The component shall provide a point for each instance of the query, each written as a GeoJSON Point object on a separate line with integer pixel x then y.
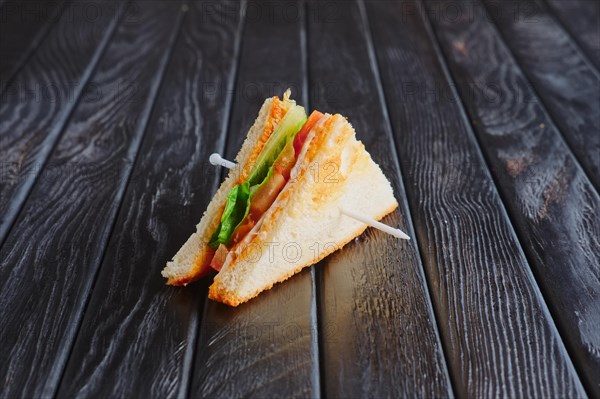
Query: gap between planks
{"type": "Point", "coordinates": [396, 156]}
{"type": "Point", "coordinates": [465, 116]}
{"type": "Point", "coordinates": [195, 332]}
{"type": "Point", "coordinates": [37, 39]}
{"type": "Point", "coordinates": [132, 153]}
{"type": "Point", "coordinates": [317, 374]}
{"type": "Point", "coordinates": [513, 216]}
{"type": "Point", "coordinates": [577, 44]}
{"type": "Point", "coordinates": [20, 196]}
{"type": "Point", "coordinates": [542, 101]}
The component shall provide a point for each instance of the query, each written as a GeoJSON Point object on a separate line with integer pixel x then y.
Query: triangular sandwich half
{"type": "Point", "coordinates": [192, 260]}
{"type": "Point", "coordinates": [320, 170]}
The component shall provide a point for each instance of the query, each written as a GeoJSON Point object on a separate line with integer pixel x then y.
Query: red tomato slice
{"type": "Point", "coordinates": [243, 229]}
{"type": "Point", "coordinates": [301, 136]}
{"type": "Point", "coordinates": [219, 259]}
{"type": "Point", "coordinates": [266, 194]}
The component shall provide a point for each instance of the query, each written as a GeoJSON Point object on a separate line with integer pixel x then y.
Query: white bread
{"type": "Point", "coordinates": [305, 223]}
{"type": "Point", "coordinates": [191, 260]}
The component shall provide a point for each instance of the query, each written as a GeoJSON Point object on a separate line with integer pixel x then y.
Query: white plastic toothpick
{"type": "Point", "coordinates": [374, 223]}
{"type": "Point", "coordinates": [216, 159]}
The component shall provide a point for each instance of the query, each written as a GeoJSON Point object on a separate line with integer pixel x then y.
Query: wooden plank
{"type": "Point", "coordinates": [50, 260]}
{"type": "Point", "coordinates": [552, 203]}
{"type": "Point", "coordinates": [499, 337]}
{"type": "Point", "coordinates": [37, 103]}
{"type": "Point", "coordinates": [137, 338]}
{"type": "Point", "coordinates": [374, 296]}
{"type": "Point", "coordinates": [582, 19]}
{"type": "Point", "coordinates": [566, 83]}
{"type": "Point", "coordinates": [23, 26]}
{"type": "Point", "coordinates": [267, 347]}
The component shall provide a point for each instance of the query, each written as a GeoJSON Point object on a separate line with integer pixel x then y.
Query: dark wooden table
{"type": "Point", "coordinates": [484, 115]}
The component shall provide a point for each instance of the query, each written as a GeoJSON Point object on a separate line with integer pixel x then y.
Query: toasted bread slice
{"type": "Point", "coordinates": [191, 261]}
{"type": "Point", "coordinates": [305, 223]}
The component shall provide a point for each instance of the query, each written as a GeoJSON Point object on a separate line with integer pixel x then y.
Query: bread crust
{"type": "Point", "coordinates": [276, 114]}
{"type": "Point", "coordinates": [196, 265]}
{"type": "Point", "coordinates": [219, 293]}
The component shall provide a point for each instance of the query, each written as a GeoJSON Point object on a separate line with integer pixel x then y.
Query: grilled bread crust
{"type": "Point", "coordinates": [191, 261]}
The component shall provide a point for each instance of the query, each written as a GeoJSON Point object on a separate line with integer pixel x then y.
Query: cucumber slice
{"type": "Point", "coordinates": [291, 124]}
{"type": "Point", "coordinates": [238, 199]}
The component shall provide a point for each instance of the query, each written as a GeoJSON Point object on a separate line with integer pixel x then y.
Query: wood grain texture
{"type": "Point", "coordinates": [552, 203]}
{"type": "Point", "coordinates": [170, 188]}
{"type": "Point", "coordinates": [373, 292]}
{"type": "Point", "coordinates": [105, 131]}
{"type": "Point", "coordinates": [37, 103]}
{"type": "Point", "coordinates": [582, 19]}
{"type": "Point", "coordinates": [50, 260]}
{"type": "Point", "coordinates": [138, 335]}
{"type": "Point", "coordinates": [499, 337]}
{"type": "Point", "coordinates": [23, 25]}
{"type": "Point", "coordinates": [267, 347]}
{"type": "Point", "coordinates": [565, 82]}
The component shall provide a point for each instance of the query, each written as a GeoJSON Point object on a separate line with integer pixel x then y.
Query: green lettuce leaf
{"type": "Point", "coordinates": [291, 124]}
{"type": "Point", "coordinates": [236, 209]}
{"type": "Point", "coordinates": [238, 199]}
